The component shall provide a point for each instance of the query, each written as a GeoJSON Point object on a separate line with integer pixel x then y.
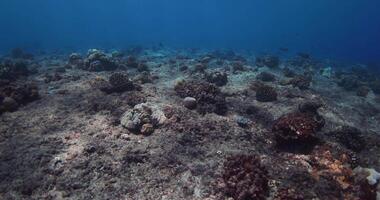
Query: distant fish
{"type": "Point", "coordinates": [283, 49]}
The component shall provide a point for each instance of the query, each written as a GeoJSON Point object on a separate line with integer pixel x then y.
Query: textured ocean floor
{"type": "Point", "coordinates": [186, 124]}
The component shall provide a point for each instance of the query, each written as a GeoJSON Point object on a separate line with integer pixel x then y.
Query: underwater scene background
{"type": "Point", "coordinates": [194, 100]}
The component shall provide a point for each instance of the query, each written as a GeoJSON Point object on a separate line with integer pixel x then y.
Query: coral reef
{"type": "Point", "coordinates": [351, 137]}
{"type": "Point", "coordinates": [245, 178]}
{"type": "Point", "coordinates": [362, 91]}
{"type": "Point", "coordinates": [117, 82]}
{"type": "Point", "coordinates": [349, 82]}
{"type": "Point", "coordinates": [120, 82]}
{"type": "Point", "coordinates": [266, 77]}
{"type": "Point", "coordinates": [132, 62]}
{"type": "Point", "coordinates": [288, 72]}
{"type": "Point", "coordinates": [76, 59]}
{"type": "Point", "coordinates": [310, 106]}
{"type": "Point", "coordinates": [238, 66]}
{"type": "Point", "coordinates": [209, 98]}
{"type": "Point", "coordinates": [300, 81]}
{"type": "Point", "coordinates": [297, 127]}
{"type": "Point", "coordinates": [266, 93]}
{"type": "Point", "coordinates": [209, 136]}
{"type": "Point", "coordinates": [375, 86]}
{"type": "Point", "coordinates": [16, 94]}
{"type": "Point", "coordinates": [217, 77]}
{"type": "Point", "coordinates": [98, 61]}
{"type": "Point", "coordinates": [12, 70]}
{"type": "Point", "coordinates": [267, 61]}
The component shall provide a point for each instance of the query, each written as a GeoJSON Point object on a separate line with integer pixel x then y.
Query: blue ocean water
{"type": "Point", "coordinates": [347, 30]}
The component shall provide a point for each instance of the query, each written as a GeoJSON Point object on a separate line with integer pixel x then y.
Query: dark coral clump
{"type": "Point", "coordinates": [297, 128]}
{"type": "Point", "coordinates": [98, 61]}
{"type": "Point", "coordinates": [266, 93]}
{"type": "Point", "coordinates": [288, 72]}
{"type": "Point", "coordinates": [209, 97]}
{"type": "Point", "coordinates": [375, 86]}
{"type": "Point", "coordinates": [362, 91]}
{"type": "Point", "coordinates": [15, 94]}
{"type": "Point", "coordinates": [12, 70]}
{"type": "Point", "coordinates": [310, 106]}
{"type": "Point", "coordinates": [349, 82]}
{"type": "Point", "coordinates": [117, 82]}
{"type": "Point", "coordinates": [302, 82]}
{"type": "Point", "coordinates": [217, 77]}
{"type": "Point", "coordinates": [132, 62]}
{"type": "Point", "coordinates": [266, 77]}
{"type": "Point", "coordinates": [238, 66]}
{"type": "Point", "coordinates": [268, 61]}
{"type": "Point", "coordinates": [245, 178]}
{"type": "Point", "coordinates": [75, 60]}
{"type": "Point", "coordinates": [351, 137]}
{"type": "Point", "coordinates": [120, 82]}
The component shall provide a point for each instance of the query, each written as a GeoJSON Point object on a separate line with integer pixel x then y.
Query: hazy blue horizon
{"type": "Point", "coordinates": [333, 29]}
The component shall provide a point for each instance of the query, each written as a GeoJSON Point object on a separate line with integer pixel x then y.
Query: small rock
{"type": "Point", "coordinates": [190, 103]}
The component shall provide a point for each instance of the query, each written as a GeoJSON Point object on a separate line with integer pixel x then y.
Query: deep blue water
{"type": "Point", "coordinates": [335, 29]}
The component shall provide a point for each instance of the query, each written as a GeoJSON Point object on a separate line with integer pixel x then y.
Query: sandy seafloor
{"type": "Point", "coordinates": [70, 144]}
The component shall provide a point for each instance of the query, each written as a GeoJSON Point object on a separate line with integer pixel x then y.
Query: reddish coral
{"type": "Point", "coordinates": [245, 178]}
{"type": "Point", "coordinates": [297, 126]}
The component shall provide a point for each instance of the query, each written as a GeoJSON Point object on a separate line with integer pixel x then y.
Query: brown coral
{"type": "Point", "coordinates": [217, 77]}
{"type": "Point", "coordinates": [267, 61]}
{"type": "Point", "coordinates": [302, 82]}
{"type": "Point", "coordinates": [209, 97]}
{"type": "Point", "coordinates": [17, 94]}
{"type": "Point", "coordinates": [266, 93]}
{"type": "Point", "coordinates": [297, 127]}
{"type": "Point", "coordinates": [245, 178]}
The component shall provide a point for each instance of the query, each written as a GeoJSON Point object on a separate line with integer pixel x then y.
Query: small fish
{"type": "Point", "coordinates": [283, 49]}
